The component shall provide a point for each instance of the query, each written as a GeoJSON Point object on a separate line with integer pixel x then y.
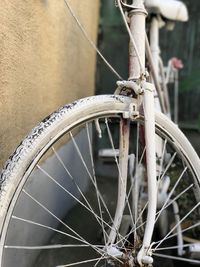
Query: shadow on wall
{"type": "Point", "coordinates": [48, 190]}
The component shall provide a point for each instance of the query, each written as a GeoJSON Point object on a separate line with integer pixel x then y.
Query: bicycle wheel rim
{"type": "Point", "coordinates": [113, 113]}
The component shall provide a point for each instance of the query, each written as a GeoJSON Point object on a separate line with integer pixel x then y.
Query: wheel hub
{"type": "Point", "coordinates": [128, 257]}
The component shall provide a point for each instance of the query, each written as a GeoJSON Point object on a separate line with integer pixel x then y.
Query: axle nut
{"type": "Point", "coordinates": [147, 260]}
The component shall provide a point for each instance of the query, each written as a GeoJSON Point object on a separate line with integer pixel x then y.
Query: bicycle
{"type": "Point", "coordinates": [39, 186]}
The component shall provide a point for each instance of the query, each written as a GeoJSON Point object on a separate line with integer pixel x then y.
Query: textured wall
{"type": "Point", "coordinates": [44, 62]}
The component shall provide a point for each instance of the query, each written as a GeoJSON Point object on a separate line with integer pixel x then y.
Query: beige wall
{"type": "Point", "coordinates": [45, 62]}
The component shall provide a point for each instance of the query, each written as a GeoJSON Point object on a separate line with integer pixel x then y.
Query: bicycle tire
{"type": "Point", "coordinates": [34, 148]}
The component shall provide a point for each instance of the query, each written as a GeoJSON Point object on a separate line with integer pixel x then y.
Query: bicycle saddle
{"type": "Point", "coordinates": [170, 9]}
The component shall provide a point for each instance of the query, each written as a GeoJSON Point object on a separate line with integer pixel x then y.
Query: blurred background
{"type": "Point", "coordinates": [183, 42]}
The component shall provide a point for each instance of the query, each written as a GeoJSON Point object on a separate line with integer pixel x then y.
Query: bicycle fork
{"type": "Point", "coordinates": [137, 17]}
{"type": "Point", "coordinates": [137, 77]}
{"type": "Point", "coordinates": [149, 122]}
{"type": "Point", "coordinates": [144, 254]}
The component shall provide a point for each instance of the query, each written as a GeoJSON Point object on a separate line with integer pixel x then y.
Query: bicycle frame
{"type": "Point", "coordinates": [137, 75]}
{"type": "Point", "coordinates": [162, 73]}
{"type": "Point", "coordinates": [137, 24]}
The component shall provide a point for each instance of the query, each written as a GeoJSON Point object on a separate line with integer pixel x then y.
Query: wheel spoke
{"type": "Point", "coordinates": [64, 224]}
{"type": "Point", "coordinates": [170, 194]}
{"type": "Point", "coordinates": [162, 157]}
{"type": "Point", "coordinates": [99, 220]}
{"type": "Point", "coordinates": [194, 208]}
{"type": "Point", "coordinates": [134, 228]}
{"type": "Point", "coordinates": [173, 247]}
{"type": "Point", "coordinates": [69, 193]}
{"type": "Point", "coordinates": [176, 258]}
{"type": "Point", "coordinates": [123, 239]}
{"type": "Point", "coordinates": [46, 227]}
{"type": "Point", "coordinates": [179, 195]}
{"type": "Point", "coordinates": [90, 176]}
{"type": "Point", "coordinates": [80, 262]}
{"type": "Point", "coordinates": [118, 167]}
{"type": "Point", "coordinates": [183, 231]}
{"type": "Point", "coordinates": [166, 206]}
{"type": "Point", "coordinates": [167, 167]}
{"type": "Point", "coordinates": [57, 246]}
{"type": "Point", "coordinates": [95, 181]}
{"type": "Point", "coordinates": [140, 161]}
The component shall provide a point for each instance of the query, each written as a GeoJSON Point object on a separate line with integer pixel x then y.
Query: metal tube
{"type": "Point", "coordinates": [149, 116]}
{"type": "Point", "coordinates": [176, 103]}
{"type": "Point", "coordinates": [154, 44]}
{"type": "Point", "coordinates": [155, 78]}
{"type": "Point", "coordinates": [151, 163]}
{"type": "Point", "coordinates": [137, 26]}
{"type": "Point", "coordinates": [122, 178]}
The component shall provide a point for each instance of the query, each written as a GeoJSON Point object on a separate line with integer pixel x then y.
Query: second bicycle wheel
{"type": "Point", "coordinates": [59, 191]}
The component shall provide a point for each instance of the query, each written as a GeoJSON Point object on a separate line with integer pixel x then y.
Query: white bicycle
{"type": "Point", "coordinates": [56, 210]}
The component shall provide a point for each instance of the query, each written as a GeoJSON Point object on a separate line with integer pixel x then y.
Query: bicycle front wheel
{"type": "Point", "coordinates": [59, 191]}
